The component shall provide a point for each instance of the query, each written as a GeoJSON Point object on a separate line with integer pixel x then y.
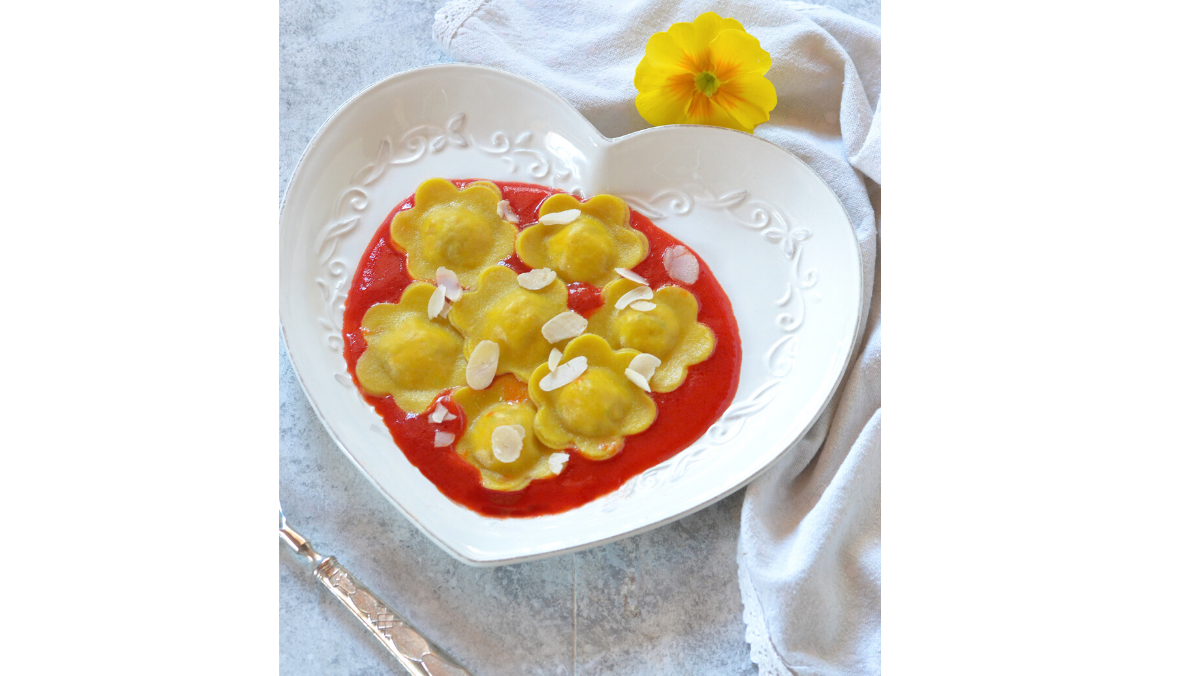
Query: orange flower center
{"type": "Point", "coordinates": [707, 83]}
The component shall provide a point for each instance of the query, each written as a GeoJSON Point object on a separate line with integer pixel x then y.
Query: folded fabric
{"type": "Point", "coordinates": [809, 548]}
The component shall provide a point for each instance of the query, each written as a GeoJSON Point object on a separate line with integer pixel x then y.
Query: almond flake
{"type": "Point", "coordinates": [642, 305]}
{"type": "Point", "coordinates": [445, 311]}
{"type": "Point", "coordinates": [564, 325]}
{"type": "Point", "coordinates": [507, 441]}
{"type": "Point", "coordinates": [555, 357]}
{"type": "Point", "coordinates": [557, 460]}
{"type": "Point", "coordinates": [681, 264]}
{"type": "Point", "coordinates": [481, 367]}
{"type": "Point", "coordinates": [564, 374]}
{"type": "Point", "coordinates": [560, 217]}
{"type": "Point", "coordinates": [437, 302]}
{"type": "Point", "coordinates": [645, 364]}
{"type": "Point", "coordinates": [640, 293]}
{"type": "Point", "coordinates": [631, 275]}
{"type": "Point", "coordinates": [637, 379]}
{"type": "Point", "coordinates": [442, 439]}
{"type": "Point", "coordinates": [449, 417]}
{"type": "Point", "coordinates": [536, 279]}
{"type": "Point", "coordinates": [447, 279]}
{"type": "Point", "coordinates": [439, 414]}
{"type": "Point", "coordinates": [504, 210]}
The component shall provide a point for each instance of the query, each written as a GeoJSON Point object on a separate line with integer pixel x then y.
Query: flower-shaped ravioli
{"type": "Point", "coordinates": [503, 311]}
{"type": "Point", "coordinates": [456, 229]}
{"type": "Point", "coordinates": [597, 410]}
{"type": "Point", "coordinates": [408, 355]}
{"type": "Point", "coordinates": [588, 248]}
{"type": "Point", "coordinates": [504, 402]}
{"type": "Point", "coordinates": [669, 331]}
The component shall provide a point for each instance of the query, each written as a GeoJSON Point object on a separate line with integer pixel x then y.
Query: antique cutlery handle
{"type": "Point", "coordinates": [419, 656]}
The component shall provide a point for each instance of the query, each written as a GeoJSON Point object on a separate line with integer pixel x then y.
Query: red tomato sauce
{"type": "Point", "coordinates": [683, 415]}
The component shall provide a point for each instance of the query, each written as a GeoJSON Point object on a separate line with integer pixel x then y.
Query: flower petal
{"type": "Point", "coordinates": [694, 38]}
{"type": "Point", "coordinates": [744, 93]}
{"type": "Point", "coordinates": [748, 99]}
{"type": "Point", "coordinates": [666, 77]}
{"type": "Point", "coordinates": [666, 105]}
{"type": "Point", "coordinates": [663, 57]}
{"type": "Point", "coordinates": [704, 110]}
{"type": "Point", "coordinates": [736, 53]}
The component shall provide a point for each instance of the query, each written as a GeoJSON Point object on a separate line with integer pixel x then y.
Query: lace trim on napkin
{"type": "Point", "coordinates": [451, 17]}
{"type": "Point", "coordinates": [762, 652]}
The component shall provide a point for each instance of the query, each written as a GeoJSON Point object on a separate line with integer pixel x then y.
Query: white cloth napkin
{"type": "Point", "coordinates": [809, 549]}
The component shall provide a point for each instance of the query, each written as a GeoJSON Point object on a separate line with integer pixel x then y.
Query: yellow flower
{"type": "Point", "coordinates": [709, 72]}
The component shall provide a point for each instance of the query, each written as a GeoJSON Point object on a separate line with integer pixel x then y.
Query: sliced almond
{"type": "Point", "coordinates": [645, 364]}
{"type": "Point", "coordinates": [559, 217]}
{"type": "Point", "coordinates": [555, 357]}
{"type": "Point", "coordinates": [681, 264]}
{"type": "Point", "coordinates": [564, 374]}
{"type": "Point", "coordinates": [507, 441]}
{"type": "Point", "coordinates": [631, 275]}
{"type": "Point", "coordinates": [481, 367]}
{"type": "Point", "coordinates": [504, 210]}
{"type": "Point", "coordinates": [439, 414]}
{"type": "Point", "coordinates": [536, 279]}
{"type": "Point", "coordinates": [445, 311]}
{"type": "Point", "coordinates": [640, 293]}
{"type": "Point", "coordinates": [642, 305]}
{"type": "Point", "coordinates": [446, 278]}
{"type": "Point", "coordinates": [637, 379]}
{"type": "Point", "coordinates": [442, 439]}
{"type": "Point", "coordinates": [449, 417]}
{"type": "Point", "coordinates": [557, 460]}
{"type": "Point", "coordinates": [564, 325]}
{"type": "Point", "coordinates": [437, 302]}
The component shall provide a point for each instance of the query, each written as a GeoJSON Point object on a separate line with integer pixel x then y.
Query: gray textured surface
{"type": "Point", "coordinates": [665, 602]}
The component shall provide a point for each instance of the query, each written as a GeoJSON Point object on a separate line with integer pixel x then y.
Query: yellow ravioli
{"type": "Point", "coordinates": [456, 229]}
{"type": "Point", "coordinates": [501, 310]}
{"type": "Point", "coordinates": [504, 402]}
{"type": "Point", "coordinates": [588, 248]}
{"type": "Point", "coordinates": [669, 331]}
{"type": "Point", "coordinates": [409, 356]}
{"type": "Point", "coordinates": [597, 410]}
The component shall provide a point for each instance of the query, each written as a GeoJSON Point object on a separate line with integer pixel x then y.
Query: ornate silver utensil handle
{"type": "Point", "coordinates": [417, 654]}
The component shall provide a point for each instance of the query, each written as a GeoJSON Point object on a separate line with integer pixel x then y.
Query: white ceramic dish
{"type": "Point", "coordinates": [775, 235]}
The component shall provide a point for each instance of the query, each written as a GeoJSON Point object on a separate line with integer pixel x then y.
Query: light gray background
{"type": "Point", "coordinates": [665, 602]}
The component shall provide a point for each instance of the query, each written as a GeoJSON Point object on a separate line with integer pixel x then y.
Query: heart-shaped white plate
{"type": "Point", "coordinates": [772, 231]}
